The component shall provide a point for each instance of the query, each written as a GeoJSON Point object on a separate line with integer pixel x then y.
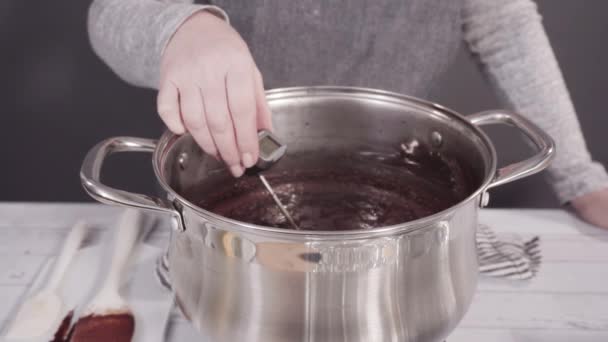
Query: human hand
{"type": "Point", "coordinates": [593, 207]}
{"type": "Point", "coordinates": [211, 87]}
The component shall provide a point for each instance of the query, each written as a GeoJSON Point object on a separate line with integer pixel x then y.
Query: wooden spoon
{"type": "Point", "coordinates": [41, 312]}
{"type": "Point", "coordinates": [108, 316]}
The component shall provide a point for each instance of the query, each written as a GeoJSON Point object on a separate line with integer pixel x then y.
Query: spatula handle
{"type": "Point", "coordinates": [127, 233]}
{"type": "Point", "coordinates": [70, 247]}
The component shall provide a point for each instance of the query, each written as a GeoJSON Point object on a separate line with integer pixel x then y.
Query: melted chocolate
{"type": "Point", "coordinates": [62, 333]}
{"type": "Point", "coordinates": [338, 192]}
{"type": "Point", "coordinates": [106, 328]}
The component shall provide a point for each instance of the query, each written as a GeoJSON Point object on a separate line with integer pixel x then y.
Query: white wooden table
{"type": "Point", "coordinates": [566, 302]}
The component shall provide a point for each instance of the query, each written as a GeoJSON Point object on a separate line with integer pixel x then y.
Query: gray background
{"type": "Point", "coordinates": [58, 99]}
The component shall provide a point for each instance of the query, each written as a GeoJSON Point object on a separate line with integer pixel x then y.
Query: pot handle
{"type": "Point", "coordinates": [542, 141]}
{"type": "Point", "coordinates": [91, 170]}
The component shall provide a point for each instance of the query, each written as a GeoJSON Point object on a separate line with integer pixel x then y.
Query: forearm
{"type": "Point", "coordinates": [510, 44]}
{"type": "Point", "coordinates": [130, 35]}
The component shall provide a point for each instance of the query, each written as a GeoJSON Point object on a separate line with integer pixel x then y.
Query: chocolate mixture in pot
{"type": "Point", "coordinates": [334, 192]}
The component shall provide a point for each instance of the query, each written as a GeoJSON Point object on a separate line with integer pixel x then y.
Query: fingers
{"type": "Point", "coordinates": [167, 104]}
{"type": "Point", "coordinates": [194, 116]}
{"type": "Point", "coordinates": [264, 116]}
{"type": "Point", "coordinates": [242, 104]}
{"type": "Point", "coordinates": [221, 126]}
{"type": "Point", "coordinates": [214, 91]}
{"type": "Point", "coordinates": [222, 115]}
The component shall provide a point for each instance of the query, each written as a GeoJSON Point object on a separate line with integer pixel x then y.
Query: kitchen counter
{"type": "Point", "coordinates": [566, 302]}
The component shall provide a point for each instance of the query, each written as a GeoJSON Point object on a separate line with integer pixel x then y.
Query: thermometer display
{"type": "Point", "coordinates": [271, 149]}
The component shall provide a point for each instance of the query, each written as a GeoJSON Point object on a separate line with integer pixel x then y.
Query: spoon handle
{"type": "Point", "coordinates": [70, 247]}
{"type": "Point", "coordinates": [128, 230]}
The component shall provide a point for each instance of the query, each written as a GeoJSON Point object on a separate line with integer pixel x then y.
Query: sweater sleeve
{"type": "Point", "coordinates": [130, 35]}
{"type": "Point", "coordinates": [509, 43]}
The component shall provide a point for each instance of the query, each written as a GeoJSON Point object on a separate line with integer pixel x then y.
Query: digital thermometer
{"type": "Point", "coordinates": [271, 149]}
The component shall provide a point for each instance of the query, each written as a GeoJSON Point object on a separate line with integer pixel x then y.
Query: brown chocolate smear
{"type": "Point", "coordinates": [364, 190]}
{"type": "Point", "coordinates": [62, 333]}
{"type": "Point", "coordinates": [104, 328]}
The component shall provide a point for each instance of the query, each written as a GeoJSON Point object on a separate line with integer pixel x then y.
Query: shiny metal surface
{"type": "Point", "coordinates": [410, 282]}
{"type": "Point", "coordinates": [90, 176]}
{"type": "Point", "coordinates": [259, 287]}
{"type": "Point", "coordinates": [91, 170]}
{"type": "Point", "coordinates": [541, 140]}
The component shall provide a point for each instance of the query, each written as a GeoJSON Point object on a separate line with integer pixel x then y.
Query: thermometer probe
{"type": "Point", "coordinates": [271, 151]}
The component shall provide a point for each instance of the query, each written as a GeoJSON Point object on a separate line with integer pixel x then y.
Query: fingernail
{"type": "Point", "coordinates": [247, 160]}
{"type": "Point", "coordinates": [236, 170]}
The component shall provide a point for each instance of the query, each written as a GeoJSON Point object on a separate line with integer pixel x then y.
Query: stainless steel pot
{"type": "Point", "coordinates": [409, 282]}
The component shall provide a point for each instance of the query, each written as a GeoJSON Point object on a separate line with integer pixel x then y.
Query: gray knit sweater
{"type": "Point", "coordinates": [397, 45]}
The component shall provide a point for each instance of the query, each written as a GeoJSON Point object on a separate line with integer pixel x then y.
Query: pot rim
{"type": "Point", "coordinates": [168, 138]}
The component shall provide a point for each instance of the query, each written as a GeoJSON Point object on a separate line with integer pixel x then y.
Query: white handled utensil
{"type": "Point", "coordinates": [108, 316]}
{"type": "Point", "coordinates": [43, 311]}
